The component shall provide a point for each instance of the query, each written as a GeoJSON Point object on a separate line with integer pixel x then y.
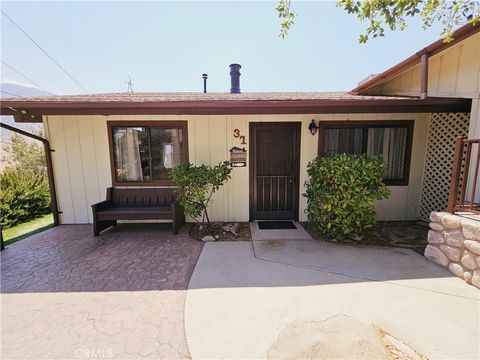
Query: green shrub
{"type": "Point", "coordinates": [196, 185]}
{"type": "Point", "coordinates": [340, 193]}
{"type": "Point", "coordinates": [23, 196]}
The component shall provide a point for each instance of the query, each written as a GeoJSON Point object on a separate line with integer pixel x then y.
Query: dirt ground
{"type": "Point", "coordinates": [198, 231]}
{"type": "Point", "coordinates": [403, 234]}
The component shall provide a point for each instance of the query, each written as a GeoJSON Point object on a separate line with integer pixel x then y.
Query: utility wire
{"type": "Point", "coordinates": [9, 93]}
{"type": "Point", "coordinates": [19, 73]}
{"type": "Point", "coordinates": [51, 58]}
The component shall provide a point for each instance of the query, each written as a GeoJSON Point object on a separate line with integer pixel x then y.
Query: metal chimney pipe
{"type": "Point", "coordinates": [204, 77]}
{"type": "Point", "coordinates": [235, 78]}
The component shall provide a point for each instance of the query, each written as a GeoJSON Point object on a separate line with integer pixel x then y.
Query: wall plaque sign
{"type": "Point", "coordinates": [238, 157]}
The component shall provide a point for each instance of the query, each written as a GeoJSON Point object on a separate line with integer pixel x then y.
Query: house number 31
{"type": "Point", "coordinates": [236, 135]}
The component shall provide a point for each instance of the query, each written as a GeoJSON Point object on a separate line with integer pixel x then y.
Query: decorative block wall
{"type": "Point", "coordinates": [444, 128]}
{"type": "Point", "coordinates": [454, 242]}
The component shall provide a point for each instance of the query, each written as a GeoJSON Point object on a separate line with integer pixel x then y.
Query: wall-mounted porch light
{"type": "Point", "coordinates": [313, 127]}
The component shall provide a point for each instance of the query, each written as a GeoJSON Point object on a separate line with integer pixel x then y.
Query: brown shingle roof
{"type": "Point", "coordinates": [25, 109]}
{"type": "Point", "coordinates": [154, 97]}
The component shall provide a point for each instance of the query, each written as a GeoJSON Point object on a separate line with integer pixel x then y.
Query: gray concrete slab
{"type": "Point", "coordinates": [237, 306]}
{"type": "Point", "coordinates": [399, 266]}
{"type": "Point", "coordinates": [288, 234]}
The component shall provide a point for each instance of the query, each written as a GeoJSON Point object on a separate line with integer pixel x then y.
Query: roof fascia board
{"type": "Point", "coordinates": [275, 107]}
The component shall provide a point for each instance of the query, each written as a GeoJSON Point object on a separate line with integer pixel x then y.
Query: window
{"type": "Point", "coordinates": [144, 153]}
{"type": "Point", "coordinates": [390, 140]}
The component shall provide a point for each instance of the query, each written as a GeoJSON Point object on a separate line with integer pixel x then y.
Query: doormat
{"type": "Point", "coordinates": [274, 225]}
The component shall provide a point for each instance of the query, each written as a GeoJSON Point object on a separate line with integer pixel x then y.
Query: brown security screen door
{"type": "Point", "coordinates": [274, 170]}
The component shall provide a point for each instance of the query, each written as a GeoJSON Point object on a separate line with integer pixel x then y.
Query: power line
{"type": "Point", "coordinates": [9, 93]}
{"type": "Point", "coordinates": [51, 58]}
{"type": "Point", "coordinates": [19, 73]}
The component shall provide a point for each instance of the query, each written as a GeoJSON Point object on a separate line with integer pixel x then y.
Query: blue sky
{"type": "Point", "coordinates": [166, 46]}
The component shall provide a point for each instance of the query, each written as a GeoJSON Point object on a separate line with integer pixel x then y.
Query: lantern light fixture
{"type": "Point", "coordinates": [313, 127]}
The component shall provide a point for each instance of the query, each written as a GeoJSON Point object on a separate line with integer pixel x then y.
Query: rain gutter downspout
{"type": "Point", "coordinates": [423, 74]}
{"type": "Point", "coordinates": [48, 159]}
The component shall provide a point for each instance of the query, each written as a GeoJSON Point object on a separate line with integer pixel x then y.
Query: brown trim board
{"type": "Point", "coordinates": [231, 107]}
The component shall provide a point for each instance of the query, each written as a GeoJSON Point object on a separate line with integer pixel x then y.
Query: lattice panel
{"type": "Point", "coordinates": [444, 128]}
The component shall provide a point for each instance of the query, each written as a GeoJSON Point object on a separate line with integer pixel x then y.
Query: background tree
{"type": "Point", "coordinates": [27, 156]}
{"type": "Point", "coordinates": [393, 14]}
{"type": "Point", "coordinates": [24, 190]}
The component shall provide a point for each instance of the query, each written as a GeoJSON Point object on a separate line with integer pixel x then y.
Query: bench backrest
{"type": "Point", "coordinates": [141, 197]}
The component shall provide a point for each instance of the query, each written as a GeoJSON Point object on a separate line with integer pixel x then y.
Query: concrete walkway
{"type": "Point", "coordinates": [237, 304]}
{"type": "Point", "coordinates": [364, 263]}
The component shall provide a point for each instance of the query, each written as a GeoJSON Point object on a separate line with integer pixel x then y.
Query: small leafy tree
{"type": "Point", "coordinates": [287, 14]}
{"type": "Point", "coordinates": [196, 185]}
{"type": "Point", "coordinates": [393, 14]}
{"type": "Point", "coordinates": [340, 193]}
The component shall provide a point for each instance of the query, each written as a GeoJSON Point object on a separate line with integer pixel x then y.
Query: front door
{"type": "Point", "coordinates": [274, 170]}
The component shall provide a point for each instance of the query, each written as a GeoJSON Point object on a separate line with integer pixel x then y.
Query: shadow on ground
{"type": "Point", "coordinates": [140, 257]}
{"type": "Point", "coordinates": [129, 257]}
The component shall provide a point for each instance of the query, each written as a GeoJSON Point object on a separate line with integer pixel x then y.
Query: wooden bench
{"type": "Point", "coordinates": [137, 204]}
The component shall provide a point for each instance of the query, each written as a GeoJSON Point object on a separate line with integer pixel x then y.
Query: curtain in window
{"type": "Point", "coordinates": [331, 141]}
{"type": "Point", "coordinates": [391, 144]}
{"type": "Point", "coordinates": [346, 140]}
{"type": "Point", "coordinates": [167, 151]}
{"type": "Point", "coordinates": [127, 154]}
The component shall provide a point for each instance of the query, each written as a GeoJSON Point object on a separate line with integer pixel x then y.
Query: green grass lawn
{"type": "Point", "coordinates": [27, 229]}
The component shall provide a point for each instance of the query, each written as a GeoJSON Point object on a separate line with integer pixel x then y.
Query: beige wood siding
{"type": "Point", "coordinates": [474, 133]}
{"type": "Point", "coordinates": [454, 72]}
{"type": "Point", "coordinates": [474, 129]}
{"type": "Point", "coordinates": [82, 161]}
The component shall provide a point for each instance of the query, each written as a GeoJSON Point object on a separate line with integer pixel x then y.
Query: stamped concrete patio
{"type": "Point", "coordinates": [68, 295]}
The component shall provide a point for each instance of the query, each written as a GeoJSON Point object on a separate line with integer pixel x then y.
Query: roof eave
{"type": "Point", "coordinates": [24, 111]}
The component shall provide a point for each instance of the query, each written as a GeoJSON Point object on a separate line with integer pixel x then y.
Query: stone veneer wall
{"type": "Point", "coordinates": [454, 242]}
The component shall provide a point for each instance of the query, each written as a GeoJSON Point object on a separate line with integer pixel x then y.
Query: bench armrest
{"type": "Point", "coordinates": [102, 205]}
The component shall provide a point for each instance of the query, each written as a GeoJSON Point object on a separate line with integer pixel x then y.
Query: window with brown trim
{"type": "Point", "coordinates": [145, 152]}
{"type": "Point", "coordinates": [391, 140]}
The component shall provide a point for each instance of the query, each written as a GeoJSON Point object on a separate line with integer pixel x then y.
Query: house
{"type": "Point", "coordinates": [410, 115]}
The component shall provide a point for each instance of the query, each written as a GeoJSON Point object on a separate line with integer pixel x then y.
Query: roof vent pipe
{"type": "Point", "coordinates": [204, 77]}
{"type": "Point", "coordinates": [235, 78]}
